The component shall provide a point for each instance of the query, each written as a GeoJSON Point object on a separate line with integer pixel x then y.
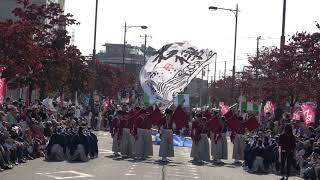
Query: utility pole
{"type": "Point", "coordinates": [219, 74]}
{"type": "Point", "coordinates": [258, 42]}
{"type": "Point", "coordinates": [243, 72]}
{"type": "Point", "coordinates": [225, 69]}
{"type": "Point", "coordinates": [124, 46]}
{"type": "Point", "coordinates": [215, 68]}
{"type": "Point", "coordinates": [207, 84]}
{"type": "Point", "coordinates": [95, 34]}
{"type": "Point", "coordinates": [283, 38]}
{"type": "Point", "coordinates": [73, 37]}
{"type": "Point", "coordinates": [200, 87]}
{"type": "Point", "coordinates": [145, 47]}
{"type": "Point", "coordinates": [234, 54]}
{"type": "Point", "coordinates": [91, 101]}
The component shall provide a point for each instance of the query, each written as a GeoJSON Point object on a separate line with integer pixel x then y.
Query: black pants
{"type": "Point", "coordinates": [286, 157]}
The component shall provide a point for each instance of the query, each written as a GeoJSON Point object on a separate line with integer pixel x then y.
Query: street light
{"type": "Point", "coordinates": [235, 11]}
{"type": "Point", "coordinates": [124, 40]}
{"type": "Point", "coordinates": [91, 100]}
{"type": "Point", "coordinates": [283, 38]}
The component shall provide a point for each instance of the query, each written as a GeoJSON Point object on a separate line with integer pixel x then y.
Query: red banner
{"type": "Point", "coordinates": [308, 110]}
{"type": "Point", "coordinates": [223, 108]}
{"type": "Point", "coordinates": [2, 89]}
{"type": "Point", "coordinates": [269, 107]}
{"type": "Point", "coordinates": [2, 86]}
{"type": "Point", "coordinates": [295, 113]}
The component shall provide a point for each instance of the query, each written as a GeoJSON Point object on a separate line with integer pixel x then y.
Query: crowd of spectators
{"type": "Point", "coordinates": [271, 150]}
{"type": "Point", "coordinates": [25, 131]}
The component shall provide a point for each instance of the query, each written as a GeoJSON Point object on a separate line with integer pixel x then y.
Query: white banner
{"type": "Point", "coordinates": [171, 69]}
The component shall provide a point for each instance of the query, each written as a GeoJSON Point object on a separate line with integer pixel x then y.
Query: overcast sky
{"type": "Point", "coordinates": [190, 20]}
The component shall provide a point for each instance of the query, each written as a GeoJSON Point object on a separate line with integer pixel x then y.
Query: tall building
{"type": "Point", "coordinates": [197, 89]}
{"type": "Point", "coordinates": [134, 58]}
{"type": "Point", "coordinates": [7, 6]}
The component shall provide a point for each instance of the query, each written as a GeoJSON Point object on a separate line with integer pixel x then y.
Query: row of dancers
{"type": "Point", "coordinates": [132, 134]}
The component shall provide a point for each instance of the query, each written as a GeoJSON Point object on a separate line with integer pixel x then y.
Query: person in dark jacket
{"type": "Point", "coordinates": [287, 145]}
{"type": "Point", "coordinates": [259, 152]}
{"type": "Point", "coordinates": [79, 149]}
{"type": "Point", "coordinates": [56, 149]}
{"type": "Point", "coordinates": [94, 151]}
{"type": "Point", "coordinates": [268, 155]}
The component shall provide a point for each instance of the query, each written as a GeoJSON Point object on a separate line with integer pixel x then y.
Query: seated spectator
{"type": "Point", "coordinates": [56, 148]}
{"type": "Point", "coordinates": [268, 154]}
{"type": "Point", "coordinates": [258, 151]}
{"type": "Point", "coordinates": [93, 141]}
{"type": "Point", "coordinates": [79, 149]}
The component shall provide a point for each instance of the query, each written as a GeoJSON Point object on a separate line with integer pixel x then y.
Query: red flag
{"type": "Point", "coordinates": [156, 117]}
{"type": "Point", "coordinates": [207, 114]}
{"type": "Point", "coordinates": [269, 107]}
{"type": "Point", "coordinates": [295, 113]}
{"type": "Point", "coordinates": [308, 110]}
{"type": "Point", "coordinates": [2, 89]}
{"type": "Point", "coordinates": [252, 123]}
{"type": "Point", "coordinates": [223, 108]}
{"type": "Point", "coordinates": [180, 117]}
{"type": "Point", "coordinates": [228, 115]}
{"type": "Point", "coordinates": [215, 125]}
{"type": "Point", "coordinates": [2, 85]}
{"type": "Point", "coordinates": [233, 123]}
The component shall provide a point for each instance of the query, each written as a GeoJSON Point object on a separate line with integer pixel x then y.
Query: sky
{"type": "Point", "coordinates": [190, 20]}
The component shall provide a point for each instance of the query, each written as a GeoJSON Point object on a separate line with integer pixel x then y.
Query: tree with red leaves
{"type": "Point", "coordinates": [289, 77]}
{"type": "Point", "coordinates": [36, 51]}
{"type": "Point", "coordinates": [221, 90]}
{"type": "Point", "coordinates": [109, 80]}
{"type": "Point", "coordinates": [292, 76]}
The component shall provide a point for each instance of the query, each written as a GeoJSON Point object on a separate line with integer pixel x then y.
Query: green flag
{"type": "Point", "coordinates": [146, 100]}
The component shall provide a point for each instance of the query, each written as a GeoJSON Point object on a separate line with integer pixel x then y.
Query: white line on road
{"type": "Point", "coordinates": [62, 175]}
{"type": "Point", "coordinates": [129, 174]}
{"type": "Point", "coordinates": [182, 172]}
{"type": "Point", "coordinates": [177, 175]}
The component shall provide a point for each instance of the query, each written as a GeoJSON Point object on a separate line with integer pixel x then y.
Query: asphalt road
{"type": "Point", "coordinates": [107, 168]}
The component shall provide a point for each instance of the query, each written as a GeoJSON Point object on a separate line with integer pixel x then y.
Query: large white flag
{"type": "Point", "coordinates": [171, 69]}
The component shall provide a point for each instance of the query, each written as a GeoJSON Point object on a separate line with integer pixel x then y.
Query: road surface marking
{"type": "Point", "coordinates": [183, 172]}
{"type": "Point", "coordinates": [177, 175]}
{"type": "Point", "coordinates": [174, 169]}
{"type": "Point", "coordinates": [60, 175]}
{"type": "Point", "coordinates": [105, 151]}
{"type": "Point", "coordinates": [129, 174]}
